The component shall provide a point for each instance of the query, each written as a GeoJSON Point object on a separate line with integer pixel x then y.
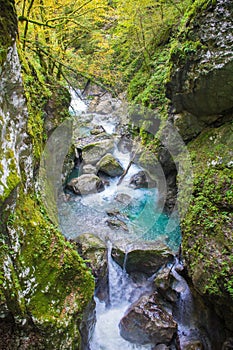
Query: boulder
{"type": "Point", "coordinates": [88, 169]}
{"type": "Point", "coordinates": [117, 224]}
{"type": "Point", "coordinates": [163, 282]}
{"type": "Point", "coordinates": [123, 198]}
{"type": "Point", "coordinates": [110, 166]}
{"type": "Point", "coordinates": [192, 345]}
{"type": "Point", "coordinates": [98, 129]}
{"type": "Point", "coordinates": [104, 107]}
{"type": "Point", "coordinates": [145, 257]}
{"type": "Point", "coordinates": [146, 321]}
{"type": "Point", "coordinates": [94, 250]}
{"type": "Point", "coordinates": [93, 152]}
{"type": "Point", "coordinates": [86, 184]}
{"type": "Point", "coordinates": [139, 180]}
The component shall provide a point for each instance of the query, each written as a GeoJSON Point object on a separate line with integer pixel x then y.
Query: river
{"type": "Point", "coordinates": [142, 220]}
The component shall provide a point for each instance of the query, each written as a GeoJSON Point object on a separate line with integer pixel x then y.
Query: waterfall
{"type": "Point", "coordinates": [188, 327]}
{"type": "Point", "coordinates": [122, 293]}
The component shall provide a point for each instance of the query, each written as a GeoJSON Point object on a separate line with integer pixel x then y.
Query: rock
{"type": "Point", "coordinates": [161, 347]}
{"type": "Point", "coordinates": [139, 180]}
{"type": "Point", "coordinates": [145, 257]}
{"type": "Point", "coordinates": [93, 152]}
{"type": "Point", "coordinates": [146, 321]}
{"type": "Point", "coordinates": [228, 344]}
{"type": "Point", "coordinates": [94, 250]}
{"type": "Point", "coordinates": [117, 224]}
{"type": "Point", "coordinates": [98, 129]}
{"type": "Point", "coordinates": [202, 82]}
{"type": "Point", "coordinates": [88, 169]}
{"type": "Point", "coordinates": [86, 184]}
{"type": "Point", "coordinates": [187, 125]}
{"type": "Point", "coordinates": [110, 166]}
{"type": "Point", "coordinates": [163, 283]}
{"type": "Point", "coordinates": [104, 107]}
{"type": "Point", "coordinates": [123, 198]}
{"type": "Point", "coordinates": [192, 345]}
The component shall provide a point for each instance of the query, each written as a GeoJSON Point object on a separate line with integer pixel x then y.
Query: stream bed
{"type": "Point", "coordinates": [124, 213]}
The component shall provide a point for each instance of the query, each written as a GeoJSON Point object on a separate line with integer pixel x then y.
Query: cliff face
{"type": "Point", "coordinates": [200, 89]}
{"type": "Point", "coordinates": [44, 284]}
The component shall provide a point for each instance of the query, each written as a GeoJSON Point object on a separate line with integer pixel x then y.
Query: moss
{"type": "Point", "coordinates": [207, 226]}
{"type": "Point", "coordinates": [49, 281]}
{"type": "Point", "coordinates": [8, 27]}
{"type": "Point", "coordinates": [196, 8]}
{"type": "Point", "coordinates": [13, 178]}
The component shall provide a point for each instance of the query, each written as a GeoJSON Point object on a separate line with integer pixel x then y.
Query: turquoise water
{"type": "Point", "coordinates": [145, 221]}
{"type": "Point", "coordinates": [149, 223]}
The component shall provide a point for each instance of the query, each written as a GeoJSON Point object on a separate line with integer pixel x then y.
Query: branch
{"type": "Point", "coordinates": [75, 71]}
{"type": "Point", "coordinates": [26, 19]}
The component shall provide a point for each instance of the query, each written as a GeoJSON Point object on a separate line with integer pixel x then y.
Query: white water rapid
{"type": "Point", "coordinates": [122, 293]}
{"type": "Point", "coordinates": [89, 213]}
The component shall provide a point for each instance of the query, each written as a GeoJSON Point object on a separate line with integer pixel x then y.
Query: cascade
{"type": "Point", "coordinates": [89, 213]}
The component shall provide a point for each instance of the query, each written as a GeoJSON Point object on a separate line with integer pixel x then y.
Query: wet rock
{"type": "Point", "coordinates": [94, 250]}
{"type": "Point", "coordinates": [146, 321]}
{"type": "Point", "coordinates": [123, 198]}
{"type": "Point", "coordinates": [93, 152]}
{"type": "Point", "coordinates": [97, 130]}
{"type": "Point", "coordinates": [88, 324]}
{"type": "Point", "coordinates": [145, 257]}
{"type": "Point", "coordinates": [139, 180]}
{"type": "Point", "coordinates": [164, 284]}
{"type": "Point", "coordinates": [192, 345]}
{"type": "Point", "coordinates": [110, 166]}
{"type": "Point", "coordinates": [86, 184]}
{"type": "Point", "coordinates": [117, 224]}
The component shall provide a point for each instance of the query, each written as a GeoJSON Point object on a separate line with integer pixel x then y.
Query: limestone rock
{"type": "Point", "coordinates": [139, 180]}
{"type": "Point", "coordinates": [145, 257]}
{"type": "Point", "coordinates": [110, 166]}
{"type": "Point", "coordinates": [88, 169]}
{"type": "Point", "coordinates": [104, 107]}
{"type": "Point", "coordinates": [146, 321]}
{"type": "Point", "coordinates": [86, 184]}
{"type": "Point", "coordinates": [98, 129]}
{"type": "Point", "coordinates": [123, 198]}
{"type": "Point", "coordinates": [93, 152]}
{"type": "Point", "coordinates": [164, 283]}
{"type": "Point", "coordinates": [202, 83]}
{"type": "Point", "coordinates": [93, 249]}
{"type": "Point", "coordinates": [192, 345]}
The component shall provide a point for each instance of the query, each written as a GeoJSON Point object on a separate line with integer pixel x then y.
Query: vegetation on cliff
{"type": "Point", "coordinates": [44, 284]}
{"type": "Point", "coordinates": [170, 59]}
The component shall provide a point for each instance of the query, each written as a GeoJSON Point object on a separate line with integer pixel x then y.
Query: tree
{"type": "Point", "coordinates": [64, 36]}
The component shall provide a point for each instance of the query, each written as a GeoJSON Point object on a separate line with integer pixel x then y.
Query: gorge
{"type": "Point", "coordinates": [168, 285]}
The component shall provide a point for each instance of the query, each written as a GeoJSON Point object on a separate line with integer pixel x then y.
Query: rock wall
{"type": "Point", "coordinates": [200, 88]}
{"type": "Point", "coordinates": [44, 285]}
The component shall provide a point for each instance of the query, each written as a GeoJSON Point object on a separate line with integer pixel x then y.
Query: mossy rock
{"type": "Point", "coordinates": [94, 251]}
{"type": "Point", "coordinates": [207, 226]}
{"type": "Point", "coordinates": [86, 184]}
{"type": "Point", "coordinates": [93, 152]}
{"type": "Point", "coordinates": [110, 166]}
{"type": "Point", "coordinates": [46, 282]}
